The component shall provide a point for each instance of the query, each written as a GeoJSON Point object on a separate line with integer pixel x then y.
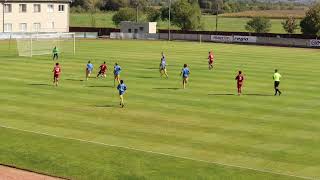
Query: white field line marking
{"type": "Point", "coordinates": [159, 153]}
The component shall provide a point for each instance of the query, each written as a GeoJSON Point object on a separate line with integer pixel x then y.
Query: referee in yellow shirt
{"type": "Point", "coordinates": [276, 78]}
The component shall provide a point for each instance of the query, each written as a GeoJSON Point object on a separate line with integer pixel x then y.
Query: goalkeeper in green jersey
{"type": "Point", "coordinates": [55, 53]}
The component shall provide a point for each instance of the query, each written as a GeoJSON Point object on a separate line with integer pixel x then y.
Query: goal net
{"type": "Point", "coordinates": [42, 44]}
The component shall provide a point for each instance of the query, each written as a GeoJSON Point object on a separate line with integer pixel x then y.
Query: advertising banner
{"type": "Point", "coordinates": [315, 42]}
{"type": "Point", "coordinates": [220, 38]}
{"type": "Point", "coordinates": [245, 39]}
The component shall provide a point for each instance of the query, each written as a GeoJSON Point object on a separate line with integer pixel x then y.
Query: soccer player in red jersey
{"type": "Point", "coordinates": [240, 79]}
{"type": "Point", "coordinates": [103, 69]}
{"type": "Point", "coordinates": [56, 74]}
{"type": "Point", "coordinates": [210, 60]}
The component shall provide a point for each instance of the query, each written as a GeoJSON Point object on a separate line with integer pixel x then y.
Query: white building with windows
{"type": "Point", "coordinates": [34, 15]}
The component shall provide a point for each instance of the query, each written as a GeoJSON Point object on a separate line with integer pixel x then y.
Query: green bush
{"type": "Point", "coordinates": [153, 15]}
{"type": "Point", "coordinates": [186, 15]}
{"type": "Point", "coordinates": [258, 25]}
{"type": "Point", "coordinates": [290, 25]}
{"type": "Point", "coordinates": [310, 24]}
{"type": "Point", "coordinates": [164, 11]}
{"type": "Point", "coordinates": [77, 9]}
{"type": "Point", "coordinates": [115, 5]}
{"type": "Point", "coordinates": [124, 14]}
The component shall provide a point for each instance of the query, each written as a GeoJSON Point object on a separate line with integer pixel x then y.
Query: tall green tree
{"type": "Point", "coordinates": [216, 6]}
{"type": "Point", "coordinates": [258, 25]}
{"type": "Point", "coordinates": [310, 24]}
{"type": "Point", "coordinates": [124, 14]}
{"type": "Point", "coordinates": [186, 15]}
{"type": "Point", "coordinates": [93, 6]}
{"type": "Point", "coordinates": [141, 4]}
{"type": "Point", "coordinates": [115, 5]}
{"type": "Point", "coordinates": [290, 25]}
{"type": "Point", "coordinates": [164, 11]}
{"type": "Point", "coordinates": [153, 14]}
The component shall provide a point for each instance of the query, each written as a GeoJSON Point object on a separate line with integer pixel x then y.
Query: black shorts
{"type": "Point", "coordinates": [276, 84]}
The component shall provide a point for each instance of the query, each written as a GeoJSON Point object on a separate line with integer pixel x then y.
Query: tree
{"type": "Point", "coordinates": [290, 25]}
{"type": "Point", "coordinates": [93, 6]}
{"type": "Point", "coordinates": [310, 24]}
{"type": "Point", "coordinates": [124, 14]}
{"type": "Point", "coordinates": [142, 4]}
{"type": "Point", "coordinates": [216, 6]}
{"type": "Point", "coordinates": [164, 11]}
{"type": "Point", "coordinates": [78, 3]}
{"type": "Point", "coordinates": [185, 15]}
{"type": "Point", "coordinates": [115, 5]}
{"type": "Point", "coordinates": [258, 25]}
{"type": "Point", "coordinates": [153, 15]}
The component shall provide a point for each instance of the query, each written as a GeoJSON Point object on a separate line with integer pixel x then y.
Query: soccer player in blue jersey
{"type": "Point", "coordinates": [116, 72]}
{"type": "Point", "coordinates": [122, 89]}
{"type": "Point", "coordinates": [89, 70]}
{"type": "Point", "coordinates": [185, 72]}
{"type": "Point", "coordinates": [163, 64]}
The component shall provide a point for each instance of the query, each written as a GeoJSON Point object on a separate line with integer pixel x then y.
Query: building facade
{"type": "Point", "coordinates": [34, 15]}
{"type": "Point", "coordinates": [138, 28]}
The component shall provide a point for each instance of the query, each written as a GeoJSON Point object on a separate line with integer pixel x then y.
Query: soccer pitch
{"type": "Point", "coordinates": [206, 131]}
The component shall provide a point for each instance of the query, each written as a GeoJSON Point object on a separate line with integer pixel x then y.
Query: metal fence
{"type": "Point", "coordinates": [242, 39]}
{"type": "Point", "coordinates": [134, 36]}
{"type": "Point", "coordinates": [8, 36]}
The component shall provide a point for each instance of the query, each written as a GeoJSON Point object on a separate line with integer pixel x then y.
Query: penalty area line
{"type": "Point", "coordinates": [160, 153]}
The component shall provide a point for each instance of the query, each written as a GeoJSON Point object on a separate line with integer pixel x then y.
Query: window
{"type": "Point", "coordinates": [23, 27]}
{"type": "Point", "coordinates": [8, 8]}
{"type": "Point", "coordinates": [22, 8]}
{"type": "Point", "coordinates": [36, 8]}
{"type": "Point", "coordinates": [51, 25]}
{"type": "Point", "coordinates": [7, 27]}
{"type": "Point", "coordinates": [129, 30]}
{"type": "Point", "coordinates": [36, 27]}
{"type": "Point", "coordinates": [50, 8]}
{"type": "Point", "coordinates": [61, 8]}
{"type": "Point", "coordinates": [141, 28]}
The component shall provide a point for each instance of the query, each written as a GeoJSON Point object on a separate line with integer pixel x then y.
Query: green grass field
{"type": "Point", "coordinates": [77, 130]}
{"type": "Point", "coordinates": [274, 14]}
{"type": "Point", "coordinates": [224, 24]}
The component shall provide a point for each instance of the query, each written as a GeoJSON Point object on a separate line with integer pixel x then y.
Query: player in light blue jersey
{"type": "Point", "coordinates": [122, 89]}
{"type": "Point", "coordinates": [89, 70]}
{"type": "Point", "coordinates": [185, 72]}
{"type": "Point", "coordinates": [163, 64]}
{"type": "Point", "coordinates": [116, 72]}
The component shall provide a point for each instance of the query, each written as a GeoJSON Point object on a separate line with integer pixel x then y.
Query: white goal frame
{"type": "Point", "coordinates": [45, 36]}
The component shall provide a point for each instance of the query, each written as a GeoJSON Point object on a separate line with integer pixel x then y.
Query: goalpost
{"type": "Point", "coordinates": [42, 44]}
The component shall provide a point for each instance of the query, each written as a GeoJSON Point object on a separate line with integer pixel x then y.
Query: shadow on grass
{"type": "Point", "coordinates": [167, 88]}
{"type": "Point", "coordinates": [106, 106]}
{"type": "Point", "coordinates": [74, 80]}
{"type": "Point", "coordinates": [152, 68]}
{"type": "Point", "coordinates": [97, 86]}
{"type": "Point", "coordinates": [146, 77]}
{"type": "Point", "coordinates": [229, 94]}
{"type": "Point", "coordinates": [39, 84]}
{"type": "Point", "coordinates": [257, 95]}
{"type": "Point", "coordinates": [221, 94]}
